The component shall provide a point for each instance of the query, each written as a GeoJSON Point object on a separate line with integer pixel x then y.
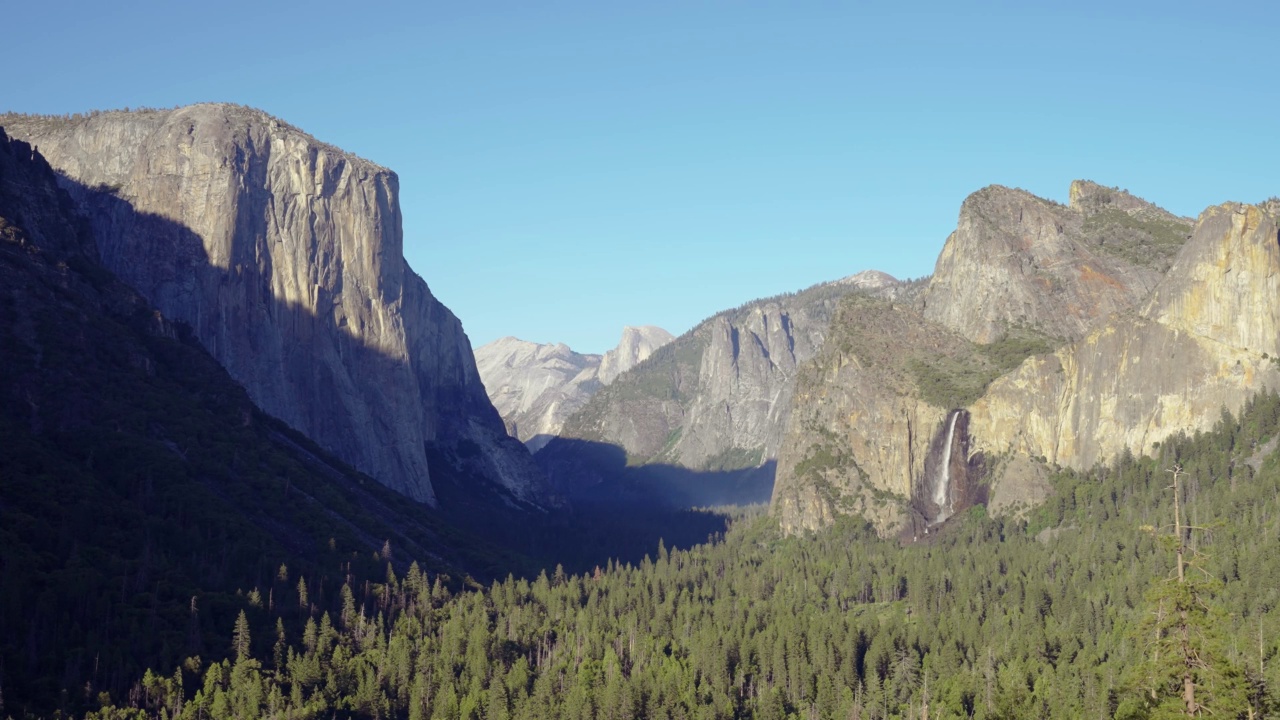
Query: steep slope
{"type": "Point", "coordinates": [533, 386]}
{"type": "Point", "coordinates": [140, 488]}
{"type": "Point", "coordinates": [911, 413]}
{"type": "Point", "coordinates": [1016, 260]}
{"type": "Point", "coordinates": [717, 397]}
{"type": "Point", "coordinates": [873, 419]}
{"type": "Point", "coordinates": [284, 256]}
{"type": "Point", "coordinates": [636, 345]}
{"type": "Point", "coordinates": [537, 387]}
{"type": "Point", "coordinates": [1205, 340]}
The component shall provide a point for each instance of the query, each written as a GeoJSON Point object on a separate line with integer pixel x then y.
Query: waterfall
{"type": "Point", "coordinates": [942, 487]}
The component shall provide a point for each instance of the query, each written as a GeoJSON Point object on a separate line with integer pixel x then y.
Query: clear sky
{"type": "Point", "coordinates": [567, 168]}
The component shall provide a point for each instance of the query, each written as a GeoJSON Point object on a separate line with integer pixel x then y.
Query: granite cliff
{"type": "Point", "coordinates": [134, 471]}
{"type": "Point", "coordinates": [870, 416]}
{"type": "Point", "coordinates": [1203, 341]}
{"type": "Point", "coordinates": [1049, 334]}
{"type": "Point", "coordinates": [536, 387]}
{"type": "Point", "coordinates": [1016, 260]}
{"type": "Point", "coordinates": [283, 254]}
{"type": "Point", "coordinates": [636, 345]}
{"type": "Point", "coordinates": [717, 397]}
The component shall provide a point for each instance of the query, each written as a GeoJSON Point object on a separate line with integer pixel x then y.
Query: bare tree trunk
{"type": "Point", "coordinates": [1188, 655]}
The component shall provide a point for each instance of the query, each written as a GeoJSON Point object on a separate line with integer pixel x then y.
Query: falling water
{"type": "Point", "coordinates": [942, 488]}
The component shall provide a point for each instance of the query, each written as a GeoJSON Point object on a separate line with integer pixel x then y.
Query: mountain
{"type": "Point", "coordinates": [866, 414]}
{"type": "Point", "coordinates": [142, 493]}
{"type": "Point", "coordinates": [1048, 335]}
{"type": "Point", "coordinates": [536, 387]}
{"type": "Point", "coordinates": [1016, 260]}
{"type": "Point", "coordinates": [636, 345]}
{"type": "Point", "coordinates": [1206, 339]}
{"type": "Point", "coordinates": [716, 398]}
{"type": "Point", "coordinates": [283, 254]}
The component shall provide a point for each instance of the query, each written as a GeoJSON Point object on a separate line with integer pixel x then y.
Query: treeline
{"type": "Point", "coordinates": [992, 618]}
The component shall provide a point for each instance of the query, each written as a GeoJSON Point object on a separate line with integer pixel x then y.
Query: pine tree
{"type": "Point", "coordinates": [1186, 671]}
{"type": "Point", "coordinates": [240, 636]}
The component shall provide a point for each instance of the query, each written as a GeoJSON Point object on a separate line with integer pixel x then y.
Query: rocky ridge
{"type": "Point", "coordinates": [1204, 340]}
{"type": "Point", "coordinates": [1016, 260]}
{"type": "Point", "coordinates": [536, 387]}
{"type": "Point", "coordinates": [284, 256]}
{"type": "Point", "coordinates": [1073, 377]}
{"type": "Point", "coordinates": [717, 397]}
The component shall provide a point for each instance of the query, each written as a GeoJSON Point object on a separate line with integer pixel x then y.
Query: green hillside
{"type": "Point", "coordinates": [1061, 617]}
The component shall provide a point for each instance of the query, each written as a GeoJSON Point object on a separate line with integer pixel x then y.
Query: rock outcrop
{"type": "Point", "coordinates": [1016, 260]}
{"type": "Point", "coordinates": [284, 256]}
{"type": "Point", "coordinates": [135, 471]}
{"type": "Point", "coordinates": [537, 387]}
{"type": "Point", "coordinates": [717, 398]}
{"type": "Point", "coordinates": [636, 345]}
{"type": "Point", "coordinates": [1155, 333]}
{"type": "Point", "coordinates": [870, 280]}
{"type": "Point", "coordinates": [862, 433]}
{"type": "Point", "coordinates": [1204, 340]}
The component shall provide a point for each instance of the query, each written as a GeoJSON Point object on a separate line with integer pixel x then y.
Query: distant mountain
{"type": "Point", "coordinates": [636, 345]}
{"type": "Point", "coordinates": [717, 398]}
{"type": "Point", "coordinates": [1048, 334]}
{"type": "Point", "coordinates": [869, 280]}
{"type": "Point", "coordinates": [283, 254]}
{"type": "Point", "coordinates": [536, 387]}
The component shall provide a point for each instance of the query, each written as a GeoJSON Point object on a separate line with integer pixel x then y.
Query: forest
{"type": "Point", "coordinates": [1074, 611]}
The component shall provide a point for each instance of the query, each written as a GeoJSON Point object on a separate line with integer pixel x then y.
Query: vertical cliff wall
{"type": "Point", "coordinates": [867, 428]}
{"type": "Point", "coordinates": [284, 255]}
{"type": "Point", "coordinates": [1158, 324]}
{"type": "Point", "coordinates": [1205, 339]}
{"type": "Point", "coordinates": [1019, 260]}
{"type": "Point", "coordinates": [718, 397]}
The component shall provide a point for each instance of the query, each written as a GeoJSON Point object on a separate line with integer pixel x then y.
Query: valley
{"type": "Point", "coordinates": [254, 468]}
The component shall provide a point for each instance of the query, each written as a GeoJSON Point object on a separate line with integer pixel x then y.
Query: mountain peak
{"type": "Point", "coordinates": [536, 387]}
{"type": "Point", "coordinates": [869, 279]}
{"type": "Point", "coordinates": [1019, 260]}
{"type": "Point", "coordinates": [1091, 198]}
{"type": "Point", "coordinates": [637, 344]}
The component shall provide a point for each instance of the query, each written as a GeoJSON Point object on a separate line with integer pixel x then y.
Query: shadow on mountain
{"type": "Point", "coordinates": [239, 318]}
{"type": "Point", "coordinates": [614, 512]}
{"type": "Point", "coordinates": [305, 362]}
{"type": "Point", "coordinates": [592, 530]}
{"type": "Point", "coordinates": [145, 499]}
{"type": "Point", "coordinates": [594, 474]}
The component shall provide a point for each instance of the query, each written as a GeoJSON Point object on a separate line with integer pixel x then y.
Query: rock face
{"type": "Point", "coordinates": [636, 345]}
{"type": "Point", "coordinates": [717, 398]}
{"type": "Point", "coordinates": [284, 256]}
{"type": "Point", "coordinates": [1161, 334]}
{"type": "Point", "coordinates": [1203, 341]}
{"type": "Point", "coordinates": [537, 387]}
{"type": "Point", "coordinates": [1016, 260]}
{"type": "Point", "coordinates": [123, 441]}
{"type": "Point", "coordinates": [862, 437]}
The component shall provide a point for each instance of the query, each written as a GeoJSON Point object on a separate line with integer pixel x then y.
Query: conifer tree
{"type": "Point", "coordinates": [240, 636]}
{"type": "Point", "coordinates": [1186, 671]}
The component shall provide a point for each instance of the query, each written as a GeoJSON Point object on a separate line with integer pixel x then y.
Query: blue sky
{"type": "Point", "coordinates": [567, 168]}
